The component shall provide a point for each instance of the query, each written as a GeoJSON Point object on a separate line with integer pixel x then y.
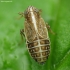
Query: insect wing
{"type": "Point", "coordinates": [42, 30]}
{"type": "Point", "coordinates": [30, 32]}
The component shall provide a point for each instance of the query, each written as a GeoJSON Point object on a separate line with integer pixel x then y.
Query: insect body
{"type": "Point", "coordinates": [36, 34]}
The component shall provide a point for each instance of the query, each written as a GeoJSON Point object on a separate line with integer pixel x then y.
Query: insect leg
{"type": "Point", "coordinates": [22, 34]}
{"type": "Point", "coordinates": [49, 29]}
{"type": "Point", "coordinates": [22, 14]}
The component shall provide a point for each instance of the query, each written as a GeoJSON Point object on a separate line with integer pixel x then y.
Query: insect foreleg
{"type": "Point", "coordinates": [49, 29]}
{"type": "Point", "coordinates": [22, 14]}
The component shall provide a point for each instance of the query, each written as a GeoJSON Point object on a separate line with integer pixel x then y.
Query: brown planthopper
{"type": "Point", "coordinates": [36, 34]}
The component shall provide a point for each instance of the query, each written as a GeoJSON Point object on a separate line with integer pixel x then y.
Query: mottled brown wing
{"type": "Point", "coordinates": [42, 29]}
{"type": "Point", "coordinates": [29, 31]}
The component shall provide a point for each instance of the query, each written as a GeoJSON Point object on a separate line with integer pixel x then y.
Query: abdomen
{"type": "Point", "coordinates": [39, 49]}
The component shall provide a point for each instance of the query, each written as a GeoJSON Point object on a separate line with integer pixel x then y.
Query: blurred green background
{"type": "Point", "coordinates": [16, 57]}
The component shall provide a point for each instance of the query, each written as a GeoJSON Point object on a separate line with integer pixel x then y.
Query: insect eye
{"type": "Point", "coordinates": [36, 11]}
{"type": "Point", "coordinates": [25, 13]}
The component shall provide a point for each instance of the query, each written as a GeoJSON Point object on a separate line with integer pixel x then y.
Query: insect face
{"type": "Point", "coordinates": [30, 11]}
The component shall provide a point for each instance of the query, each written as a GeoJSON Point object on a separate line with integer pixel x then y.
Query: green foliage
{"type": "Point", "coordinates": [16, 57]}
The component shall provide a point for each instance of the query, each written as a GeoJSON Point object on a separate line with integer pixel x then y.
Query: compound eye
{"type": "Point", "coordinates": [25, 12]}
{"type": "Point", "coordinates": [36, 10]}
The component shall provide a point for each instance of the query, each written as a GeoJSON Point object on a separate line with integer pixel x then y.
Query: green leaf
{"type": "Point", "coordinates": [16, 57]}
